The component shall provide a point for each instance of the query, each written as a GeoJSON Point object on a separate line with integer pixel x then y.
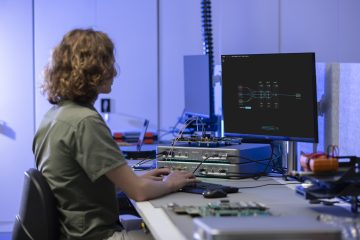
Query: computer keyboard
{"type": "Point", "coordinates": [200, 187]}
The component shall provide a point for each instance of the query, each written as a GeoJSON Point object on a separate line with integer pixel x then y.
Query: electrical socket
{"type": "Point", "coordinates": [105, 105]}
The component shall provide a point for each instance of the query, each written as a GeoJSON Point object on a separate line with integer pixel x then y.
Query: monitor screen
{"type": "Point", "coordinates": [270, 96]}
{"type": "Point", "coordinates": [198, 100]}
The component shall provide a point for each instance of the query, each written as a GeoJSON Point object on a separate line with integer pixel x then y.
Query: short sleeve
{"type": "Point", "coordinates": [96, 151]}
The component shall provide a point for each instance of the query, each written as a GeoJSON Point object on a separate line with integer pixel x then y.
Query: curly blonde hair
{"type": "Point", "coordinates": [82, 61]}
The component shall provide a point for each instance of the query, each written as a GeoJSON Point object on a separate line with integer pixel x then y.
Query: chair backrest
{"type": "Point", "coordinates": [38, 216]}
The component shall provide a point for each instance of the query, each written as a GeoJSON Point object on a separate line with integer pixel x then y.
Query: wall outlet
{"type": "Point", "coordinates": [105, 105]}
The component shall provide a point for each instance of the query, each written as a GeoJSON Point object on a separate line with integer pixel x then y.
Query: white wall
{"type": "Point", "coordinates": [349, 109]}
{"type": "Point", "coordinates": [349, 34]}
{"type": "Point", "coordinates": [180, 34]}
{"type": "Point", "coordinates": [247, 27]}
{"type": "Point", "coordinates": [132, 25]}
{"type": "Point", "coordinates": [52, 19]}
{"type": "Point", "coordinates": [327, 27]}
{"type": "Point", "coordinates": [16, 104]}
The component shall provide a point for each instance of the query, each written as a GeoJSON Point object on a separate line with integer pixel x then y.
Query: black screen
{"type": "Point", "coordinates": [270, 96]}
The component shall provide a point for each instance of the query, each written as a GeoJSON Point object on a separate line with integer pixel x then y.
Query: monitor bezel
{"type": "Point", "coordinates": [268, 137]}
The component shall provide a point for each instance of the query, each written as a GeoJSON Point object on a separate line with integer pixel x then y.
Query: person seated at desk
{"type": "Point", "coordinates": [74, 148]}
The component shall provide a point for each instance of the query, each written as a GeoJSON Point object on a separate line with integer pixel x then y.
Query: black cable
{"type": "Point", "coordinates": [197, 167]}
{"type": "Point", "coordinates": [270, 160]}
{"type": "Point", "coordinates": [237, 174]}
{"type": "Point", "coordinates": [250, 160]}
{"type": "Point", "coordinates": [251, 175]}
{"type": "Point", "coordinates": [163, 152]}
{"type": "Point", "coordinates": [279, 168]}
{"type": "Point", "coordinates": [143, 161]}
{"type": "Point", "coordinates": [269, 163]}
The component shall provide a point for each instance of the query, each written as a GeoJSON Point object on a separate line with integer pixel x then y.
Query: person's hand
{"type": "Point", "coordinates": [156, 174]}
{"type": "Point", "coordinates": [178, 179]}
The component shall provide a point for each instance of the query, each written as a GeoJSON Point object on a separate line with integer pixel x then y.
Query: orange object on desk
{"type": "Point", "coordinates": [149, 138]}
{"type": "Point", "coordinates": [118, 137]}
{"type": "Point", "coordinates": [318, 163]}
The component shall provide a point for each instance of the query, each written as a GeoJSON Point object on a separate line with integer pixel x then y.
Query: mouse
{"type": "Point", "coordinates": [214, 193]}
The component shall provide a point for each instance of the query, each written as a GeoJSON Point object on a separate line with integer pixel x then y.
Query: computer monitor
{"type": "Point", "coordinates": [270, 96]}
{"type": "Point", "coordinates": [197, 86]}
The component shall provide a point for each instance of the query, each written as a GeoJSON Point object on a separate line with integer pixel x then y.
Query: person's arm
{"type": "Point", "coordinates": [144, 188]}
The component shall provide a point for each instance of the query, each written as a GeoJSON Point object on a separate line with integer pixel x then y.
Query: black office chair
{"type": "Point", "coordinates": [38, 216]}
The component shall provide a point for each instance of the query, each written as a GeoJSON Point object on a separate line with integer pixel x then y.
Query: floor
{"type": "Point", "coordinates": [5, 236]}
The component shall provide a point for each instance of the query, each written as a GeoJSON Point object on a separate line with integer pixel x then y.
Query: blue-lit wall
{"type": "Point", "coordinates": [151, 37]}
{"type": "Point", "coordinates": [133, 27]}
{"type": "Point", "coordinates": [348, 124]}
{"type": "Point", "coordinates": [349, 109]}
{"type": "Point", "coordinates": [16, 103]}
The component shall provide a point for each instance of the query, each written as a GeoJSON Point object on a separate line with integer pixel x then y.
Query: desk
{"type": "Point", "coordinates": [158, 222]}
{"type": "Point", "coordinates": [281, 200]}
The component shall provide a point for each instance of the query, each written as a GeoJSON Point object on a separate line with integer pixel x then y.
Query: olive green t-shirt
{"type": "Point", "coordinates": [73, 149]}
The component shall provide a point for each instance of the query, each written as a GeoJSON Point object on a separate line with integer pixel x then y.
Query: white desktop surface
{"type": "Point", "coordinates": [163, 227]}
{"type": "Point", "coordinates": [281, 199]}
{"type": "Point", "coordinates": [158, 222]}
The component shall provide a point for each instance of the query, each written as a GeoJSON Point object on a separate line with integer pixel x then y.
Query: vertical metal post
{"type": "Point", "coordinates": [332, 79]}
{"type": "Point", "coordinates": [290, 159]}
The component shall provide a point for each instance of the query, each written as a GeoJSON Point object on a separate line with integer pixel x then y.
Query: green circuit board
{"type": "Point", "coordinates": [223, 208]}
